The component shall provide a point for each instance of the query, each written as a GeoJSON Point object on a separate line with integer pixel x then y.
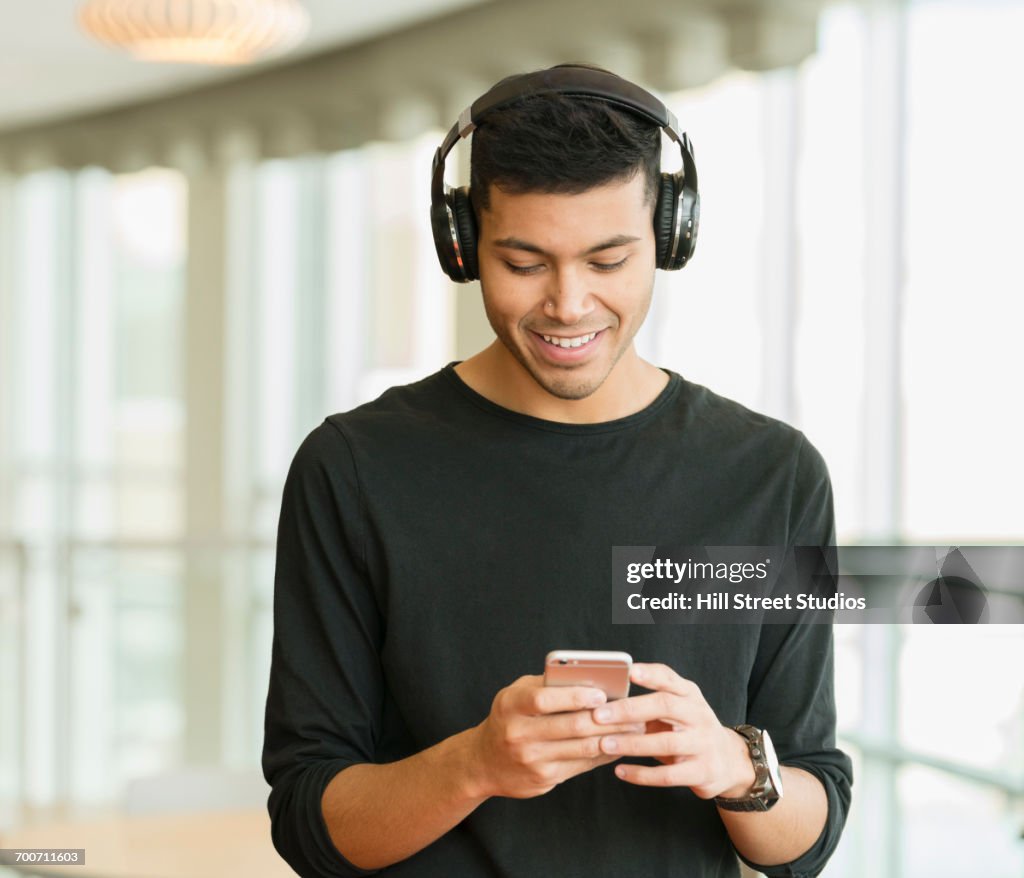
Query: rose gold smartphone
{"type": "Point", "coordinates": [589, 667]}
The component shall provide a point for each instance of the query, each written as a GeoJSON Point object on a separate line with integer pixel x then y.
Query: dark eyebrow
{"type": "Point", "coordinates": [520, 244]}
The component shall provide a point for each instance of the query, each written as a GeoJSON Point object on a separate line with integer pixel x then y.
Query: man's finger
{"type": "Point", "coordinates": [531, 697]}
{"type": "Point", "coordinates": [642, 708]}
{"type": "Point", "coordinates": [655, 675]}
{"type": "Point", "coordinates": [658, 745]}
{"type": "Point", "coordinates": [579, 724]}
{"type": "Point", "coordinates": [678, 774]}
{"type": "Point", "coordinates": [574, 750]}
{"type": "Point", "coordinates": [563, 699]}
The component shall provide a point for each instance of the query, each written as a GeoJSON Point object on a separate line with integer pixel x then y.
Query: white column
{"type": "Point", "coordinates": [7, 361]}
{"type": "Point", "coordinates": [884, 148]}
{"type": "Point", "coordinates": [777, 299]}
{"type": "Point", "coordinates": [39, 426]}
{"type": "Point", "coordinates": [64, 479]}
{"type": "Point", "coordinates": [312, 334]}
{"type": "Point", "coordinates": [12, 628]}
{"type": "Point", "coordinates": [348, 278]}
{"type": "Point", "coordinates": [204, 462]}
{"type": "Point", "coordinates": [884, 180]}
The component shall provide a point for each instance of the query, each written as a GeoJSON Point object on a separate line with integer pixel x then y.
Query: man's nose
{"type": "Point", "coordinates": [569, 299]}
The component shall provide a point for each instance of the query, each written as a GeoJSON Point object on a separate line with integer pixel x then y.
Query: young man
{"type": "Point", "coordinates": [436, 543]}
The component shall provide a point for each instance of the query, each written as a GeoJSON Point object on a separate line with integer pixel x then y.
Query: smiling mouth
{"type": "Point", "coordinates": [573, 342]}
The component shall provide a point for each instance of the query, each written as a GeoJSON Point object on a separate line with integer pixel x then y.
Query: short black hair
{"type": "Point", "coordinates": [550, 142]}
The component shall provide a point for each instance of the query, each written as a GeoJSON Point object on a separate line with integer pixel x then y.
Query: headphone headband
{"type": "Point", "coordinates": [573, 81]}
{"type": "Point", "coordinates": [570, 80]}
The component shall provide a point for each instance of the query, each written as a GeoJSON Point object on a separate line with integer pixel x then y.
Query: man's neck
{"type": "Point", "coordinates": [631, 386]}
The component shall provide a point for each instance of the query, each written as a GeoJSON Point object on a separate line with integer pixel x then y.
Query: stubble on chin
{"type": "Point", "coordinates": [567, 387]}
{"type": "Point", "coordinates": [563, 382]}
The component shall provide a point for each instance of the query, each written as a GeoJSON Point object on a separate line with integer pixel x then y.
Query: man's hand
{"type": "Point", "coordinates": [681, 731]}
{"type": "Point", "coordinates": [537, 736]}
{"type": "Point", "coordinates": [534, 738]}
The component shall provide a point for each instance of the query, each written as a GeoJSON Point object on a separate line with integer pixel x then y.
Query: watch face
{"type": "Point", "coordinates": [773, 763]}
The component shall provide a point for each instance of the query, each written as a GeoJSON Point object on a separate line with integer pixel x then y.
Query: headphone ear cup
{"type": "Point", "coordinates": [689, 206]}
{"type": "Point", "coordinates": [664, 219]}
{"type": "Point", "coordinates": [675, 198]}
{"type": "Point", "coordinates": [465, 225]}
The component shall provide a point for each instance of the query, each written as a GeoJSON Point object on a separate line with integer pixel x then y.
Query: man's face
{"type": "Point", "coordinates": [567, 280]}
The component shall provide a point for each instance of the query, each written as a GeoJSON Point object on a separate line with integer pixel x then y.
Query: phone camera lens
{"type": "Point", "coordinates": [563, 661]}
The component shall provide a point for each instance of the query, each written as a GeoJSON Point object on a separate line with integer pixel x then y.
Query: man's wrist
{"type": "Point", "coordinates": [766, 790]}
{"type": "Point", "coordinates": [465, 765]}
{"type": "Point", "coordinates": [742, 774]}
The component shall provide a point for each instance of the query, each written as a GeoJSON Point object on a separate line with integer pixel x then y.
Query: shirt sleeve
{"type": "Point", "coordinates": [324, 702]}
{"type": "Point", "coordinates": [791, 691]}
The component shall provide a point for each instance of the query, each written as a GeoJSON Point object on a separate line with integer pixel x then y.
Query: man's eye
{"type": "Point", "coordinates": [523, 269]}
{"type": "Point", "coordinates": [609, 266]}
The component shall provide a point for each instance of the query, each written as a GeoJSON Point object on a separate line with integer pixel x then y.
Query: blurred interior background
{"type": "Point", "coordinates": [198, 263]}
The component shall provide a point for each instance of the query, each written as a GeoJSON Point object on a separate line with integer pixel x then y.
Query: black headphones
{"type": "Point", "coordinates": [676, 214]}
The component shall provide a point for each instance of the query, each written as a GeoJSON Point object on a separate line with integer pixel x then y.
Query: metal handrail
{"type": "Point", "coordinates": [896, 754]}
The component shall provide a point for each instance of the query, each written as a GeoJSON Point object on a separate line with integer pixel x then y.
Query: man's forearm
{"type": "Point", "coordinates": [534, 738]}
{"type": "Point", "coordinates": [789, 829]}
{"type": "Point", "coordinates": [380, 814]}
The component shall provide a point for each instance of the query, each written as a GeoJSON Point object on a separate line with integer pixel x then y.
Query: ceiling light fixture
{"type": "Point", "coordinates": [196, 31]}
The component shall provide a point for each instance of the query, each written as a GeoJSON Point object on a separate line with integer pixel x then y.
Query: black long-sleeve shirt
{"type": "Point", "coordinates": [434, 546]}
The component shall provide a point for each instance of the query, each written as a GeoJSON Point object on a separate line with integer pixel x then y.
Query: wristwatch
{"type": "Point", "coordinates": [767, 788]}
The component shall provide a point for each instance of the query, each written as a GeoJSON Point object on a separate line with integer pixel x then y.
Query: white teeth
{"type": "Point", "coordinates": [569, 342]}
